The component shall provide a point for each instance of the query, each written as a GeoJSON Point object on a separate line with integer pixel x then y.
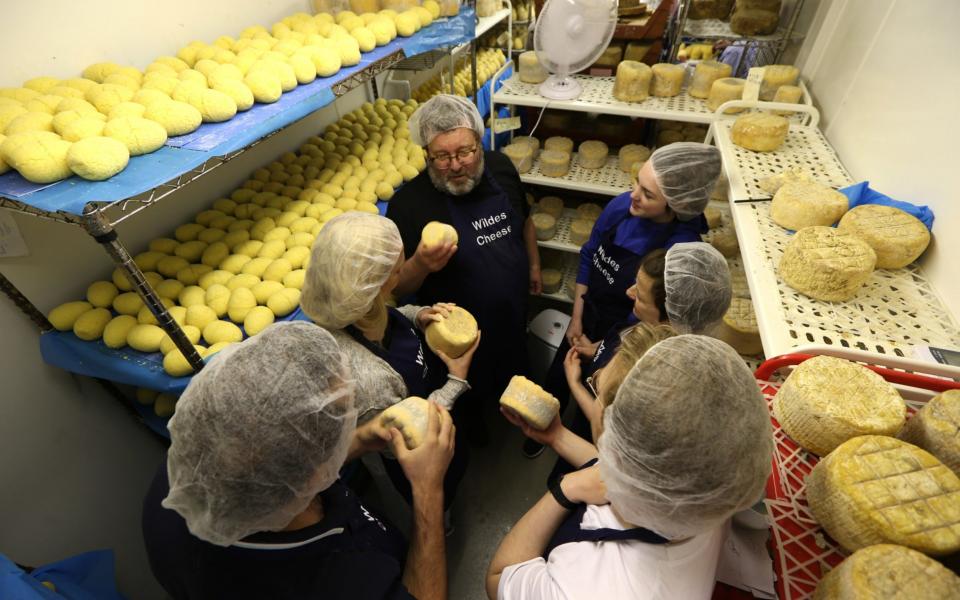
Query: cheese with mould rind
{"type": "Point", "coordinates": [897, 237]}
{"type": "Point", "coordinates": [890, 572]}
{"type": "Point", "coordinates": [531, 402]}
{"type": "Point", "coordinates": [411, 417]}
{"type": "Point", "coordinates": [827, 264]}
{"type": "Point", "coordinates": [799, 204]}
{"type": "Point", "coordinates": [760, 132]}
{"type": "Point", "coordinates": [936, 428]}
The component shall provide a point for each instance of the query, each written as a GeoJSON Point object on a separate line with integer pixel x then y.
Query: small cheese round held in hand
{"type": "Point", "coordinates": [257, 320]}
{"type": "Point", "coordinates": [140, 135]}
{"type": "Point", "coordinates": [241, 302]}
{"type": "Point", "coordinates": [145, 337]}
{"type": "Point", "coordinates": [178, 118]}
{"type": "Point", "coordinates": [97, 158]}
{"type": "Point", "coordinates": [284, 302]}
{"type": "Point", "coordinates": [222, 331]}
{"type": "Point", "coordinates": [101, 294]}
{"type": "Point", "coordinates": [41, 160]}
{"type": "Point", "coordinates": [192, 333]}
{"type": "Point", "coordinates": [116, 332]}
{"type": "Point", "coordinates": [411, 417]}
{"type": "Point", "coordinates": [214, 106]}
{"type": "Point", "coordinates": [89, 326]}
{"type": "Point", "coordinates": [435, 233]}
{"type": "Point", "coordinates": [453, 335]}
{"type": "Point", "coordinates": [531, 402]}
{"type": "Point", "coordinates": [64, 316]}
{"type": "Point", "coordinates": [175, 363]}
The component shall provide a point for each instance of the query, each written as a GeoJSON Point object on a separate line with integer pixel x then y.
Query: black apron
{"type": "Point", "coordinates": [570, 531]}
{"type": "Point", "coordinates": [402, 349]}
{"type": "Point", "coordinates": [608, 345]}
{"type": "Point", "coordinates": [613, 271]}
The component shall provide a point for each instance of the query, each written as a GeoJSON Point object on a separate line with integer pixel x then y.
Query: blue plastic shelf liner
{"type": "Point", "coordinates": [861, 193]}
{"type": "Point", "coordinates": [483, 94]}
{"type": "Point", "coordinates": [87, 576]}
{"type": "Point", "coordinates": [449, 31]}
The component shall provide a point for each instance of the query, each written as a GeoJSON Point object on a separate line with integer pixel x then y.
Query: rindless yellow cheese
{"type": "Point", "coordinates": [531, 402]}
{"type": "Point", "coordinates": [592, 154]}
{"type": "Point", "coordinates": [706, 72]}
{"type": "Point", "coordinates": [632, 83]}
{"type": "Point", "coordinates": [551, 279]}
{"type": "Point", "coordinates": [521, 155]}
{"type": "Point", "coordinates": [554, 163]}
{"type": "Point", "coordinates": [739, 327]}
{"type": "Point", "coordinates": [411, 417]}
{"type": "Point", "coordinates": [889, 572]}
{"type": "Point", "coordinates": [876, 489]}
{"type": "Point", "coordinates": [454, 334]}
{"type": "Point", "coordinates": [435, 233]}
{"type": "Point", "coordinates": [724, 89]}
{"type": "Point", "coordinates": [632, 154]}
{"type": "Point", "coordinates": [897, 237]}
{"type": "Point", "coordinates": [827, 400]}
{"type": "Point", "coordinates": [799, 204]}
{"type": "Point", "coordinates": [826, 263]}
{"type": "Point", "coordinates": [580, 230]}
{"type": "Point", "coordinates": [667, 80]}
{"type": "Point", "coordinates": [760, 132]}
{"type": "Point", "coordinates": [936, 429]}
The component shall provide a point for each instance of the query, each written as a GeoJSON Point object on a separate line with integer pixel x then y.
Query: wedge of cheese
{"type": "Point", "coordinates": [880, 490]}
{"type": "Point", "coordinates": [828, 400]}
{"type": "Point", "coordinates": [890, 572]}
{"type": "Point", "coordinates": [411, 417]}
{"type": "Point", "coordinates": [454, 334]}
{"type": "Point", "coordinates": [936, 429]}
{"type": "Point", "coordinates": [535, 405]}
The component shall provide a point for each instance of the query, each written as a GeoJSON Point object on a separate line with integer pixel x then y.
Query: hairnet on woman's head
{"type": "Point", "coordinates": [697, 280]}
{"type": "Point", "coordinates": [262, 429]}
{"type": "Point", "coordinates": [687, 441]}
{"type": "Point", "coordinates": [441, 114]}
{"type": "Point", "coordinates": [351, 259]}
{"type": "Point", "coordinates": [686, 173]}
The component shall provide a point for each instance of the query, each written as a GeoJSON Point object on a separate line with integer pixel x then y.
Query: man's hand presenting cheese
{"type": "Point", "coordinates": [434, 258]}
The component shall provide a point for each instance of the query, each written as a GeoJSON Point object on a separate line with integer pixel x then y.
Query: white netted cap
{"type": "Point", "coordinates": [687, 441]}
{"type": "Point", "coordinates": [697, 282]}
{"type": "Point", "coordinates": [351, 259]}
{"type": "Point", "coordinates": [259, 432]}
{"type": "Point", "coordinates": [443, 113]}
{"type": "Point", "coordinates": [686, 173]}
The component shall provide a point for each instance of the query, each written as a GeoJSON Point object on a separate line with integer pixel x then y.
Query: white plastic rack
{"type": "Point", "coordinates": [561, 240]}
{"type": "Point", "coordinates": [609, 179]}
{"type": "Point", "coordinates": [568, 280]}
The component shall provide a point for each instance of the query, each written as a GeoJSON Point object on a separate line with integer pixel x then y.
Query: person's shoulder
{"type": "Point", "coordinates": [411, 193]}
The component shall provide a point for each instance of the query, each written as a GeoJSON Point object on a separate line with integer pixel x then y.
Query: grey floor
{"type": "Point", "coordinates": [500, 485]}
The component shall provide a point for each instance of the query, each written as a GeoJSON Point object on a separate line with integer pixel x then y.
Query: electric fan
{"type": "Point", "coordinates": [569, 36]}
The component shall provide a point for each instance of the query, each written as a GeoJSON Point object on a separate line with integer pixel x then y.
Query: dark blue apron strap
{"type": "Point", "coordinates": [404, 352]}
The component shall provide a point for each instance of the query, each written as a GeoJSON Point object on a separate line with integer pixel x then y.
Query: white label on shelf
{"type": "Point", "coordinates": [751, 90]}
{"type": "Point", "coordinates": [508, 124]}
{"type": "Point", "coordinates": [11, 242]}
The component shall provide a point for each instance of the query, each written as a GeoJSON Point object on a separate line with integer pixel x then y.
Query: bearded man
{"type": "Point", "coordinates": [494, 265]}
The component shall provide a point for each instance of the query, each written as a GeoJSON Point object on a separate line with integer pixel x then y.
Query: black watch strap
{"type": "Point", "coordinates": [559, 496]}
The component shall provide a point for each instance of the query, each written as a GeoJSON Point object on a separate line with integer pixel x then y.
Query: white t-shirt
{"type": "Point", "coordinates": [617, 570]}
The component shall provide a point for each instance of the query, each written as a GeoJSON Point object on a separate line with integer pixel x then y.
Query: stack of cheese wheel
{"type": "Point", "coordinates": [531, 402]}
{"type": "Point", "coordinates": [411, 417]}
{"type": "Point", "coordinates": [545, 225]}
{"type": "Point", "coordinates": [667, 80]}
{"type": "Point", "coordinates": [760, 132]}
{"type": "Point", "coordinates": [875, 489]}
{"type": "Point", "coordinates": [552, 205]}
{"type": "Point", "coordinates": [799, 204]}
{"type": "Point", "coordinates": [827, 264]}
{"type": "Point", "coordinates": [592, 154]}
{"type": "Point", "coordinates": [531, 71]}
{"type": "Point", "coordinates": [705, 73]}
{"type": "Point", "coordinates": [554, 163]}
{"type": "Point", "coordinates": [632, 154]}
{"type": "Point", "coordinates": [897, 237]}
{"type": "Point", "coordinates": [531, 142]}
{"type": "Point", "coordinates": [521, 155]}
{"type": "Point", "coordinates": [724, 89]}
{"type": "Point", "coordinates": [739, 328]}
{"type": "Point", "coordinates": [775, 76]}
{"type": "Point", "coordinates": [827, 400]}
{"type": "Point", "coordinates": [559, 144]}
{"type": "Point", "coordinates": [453, 334]}
{"type": "Point", "coordinates": [934, 428]}
{"type": "Point", "coordinates": [632, 83]}
{"type": "Point", "coordinates": [888, 571]}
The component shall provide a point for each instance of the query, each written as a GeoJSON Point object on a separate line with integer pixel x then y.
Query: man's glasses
{"type": "Point", "coordinates": [463, 156]}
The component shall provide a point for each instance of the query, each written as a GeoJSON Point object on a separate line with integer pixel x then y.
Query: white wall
{"type": "Point", "coordinates": [73, 465]}
{"type": "Point", "coordinates": [884, 75]}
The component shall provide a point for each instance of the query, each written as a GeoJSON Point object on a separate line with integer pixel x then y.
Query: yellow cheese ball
{"type": "Point", "coordinates": [169, 266]}
{"type": "Point", "coordinates": [127, 109]}
{"type": "Point", "coordinates": [145, 396]}
{"type": "Point", "coordinates": [145, 338]}
{"type": "Point", "coordinates": [97, 158]}
{"type": "Point", "coordinates": [145, 97]}
{"type": "Point", "coordinates": [264, 85]}
{"type": "Point", "coordinates": [191, 274]}
{"type": "Point", "coordinates": [175, 364]}
{"type": "Point", "coordinates": [258, 319]}
{"type": "Point", "coordinates": [214, 254]}
{"type": "Point", "coordinates": [284, 302]}
{"type": "Point", "coordinates": [89, 326]}
{"type": "Point", "coordinates": [273, 249]}
{"type": "Point", "coordinates": [190, 295]}
{"type": "Point", "coordinates": [294, 279]}
{"type": "Point", "coordinates": [234, 263]}
{"type": "Point", "coordinates": [101, 294]}
{"type": "Point", "coordinates": [432, 7]}
{"type": "Point", "coordinates": [179, 314]}
{"type": "Point", "coordinates": [178, 118]}
{"type": "Point", "coordinates": [297, 255]}
{"type": "Point", "coordinates": [169, 288]}
{"type": "Point", "coordinates": [140, 135]}
{"type": "Point", "coordinates": [214, 106]}
{"type": "Point", "coordinates": [191, 251]}
{"type": "Point", "coordinates": [303, 68]}
{"type": "Point", "coordinates": [384, 30]}
{"type": "Point", "coordinates": [65, 315]}
{"type": "Point", "coordinates": [41, 84]}
{"type": "Point", "coordinates": [326, 61]}
{"type": "Point", "coordinates": [349, 50]}
{"type": "Point", "coordinates": [217, 298]}
{"type": "Point", "coordinates": [407, 24]}
{"type": "Point", "coordinates": [146, 316]}
{"type": "Point", "coordinates": [214, 348]}
{"type": "Point", "coordinates": [107, 95]}
{"type": "Point", "coordinates": [116, 332]}
{"type": "Point", "coordinates": [188, 232]}
{"type": "Point", "coordinates": [366, 39]}
{"type": "Point", "coordinates": [218, 276]}
{"type": "Point", "coordinates": [4, 167]}
{"type": "Point", "coordinates": [127, 303]}
{"type": "Point", "coordinates": [277, 270]}
{"type": "Point", "coordinates": [9, 112]}
{"type": "Point", "coordinates": [241, 301]}
{"type": "Point", "coordinates": [222, 331]}
{"type": "Point", "coordinates": [42, 160]}
{"type": "Point", "coordinates": [425, 16]}
{"type": "Point", "coordinates": [256, 267]}
{"type": "Point", "coordinates": [199, 315]}
{"type": "Point", "coordinates": [192, 333]}
{"type": "Point", "coordinates": [264, 289]}
{"type": "Point", "coordinates": [99, 71]}
{"type": "Point", "coordinates": [73, 130]}
{"type": "Point", "coordinates": [166, 246]}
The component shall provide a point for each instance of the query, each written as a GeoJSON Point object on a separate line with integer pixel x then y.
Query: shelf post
{"type": "Point", "coordinates": [21, 302]}
{"type": "Point", "coordinates": [103, 232]}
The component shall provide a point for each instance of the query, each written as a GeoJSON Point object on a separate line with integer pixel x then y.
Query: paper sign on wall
{"type": "Point", "coordinates": [509, 124]}
{"type": "Point", "coordinates": [751, 90]}
{"type": "Point", "coordinates": [11, 242]}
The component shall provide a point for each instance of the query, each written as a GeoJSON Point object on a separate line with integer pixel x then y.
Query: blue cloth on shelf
{"type": "Point", "coordinates": [87, 576]}
{"type": "Point", "coordinates": [861, 193]}
{"type": "Point", "coordinates": [483, 94]}
{"type": "Point", "coordinates": [448, 31]}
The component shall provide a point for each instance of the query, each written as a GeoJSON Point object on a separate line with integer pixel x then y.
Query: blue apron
{"type": "Point", "coordinates": [402, 349]}
{"type": "Point", "coordinates": [612, 271]}
{"type": "Point", "coordinates": [570, 531]}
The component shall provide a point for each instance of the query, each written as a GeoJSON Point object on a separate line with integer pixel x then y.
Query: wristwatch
{"type": "Point", "coordinates": [560, 497]}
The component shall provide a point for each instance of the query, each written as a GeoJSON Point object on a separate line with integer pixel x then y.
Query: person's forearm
{"type": "Point", "coordinates": [580, 290]}
{"type": "Point", "coordinates": [530, 241]}
{"type": "Point", "coordinates": [446, 396]}
{"type": "Point", "coordinates": [585, 400]}
{"type": "Point", "coordinates": [425, 574]}
{"type": "Point", "coordinates": [528, 539]}
{"type": "Point", "coordinates": [412, 274]}
{"type": "Point", "coordinates": [573, 448]}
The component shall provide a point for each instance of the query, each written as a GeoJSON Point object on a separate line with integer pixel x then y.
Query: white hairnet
{"type": "Point", "coordinates": [351, 259]}
{"type": "Point", "coordinates": [262, 429]}
{"type": "Point", "coordinates": [687, 441]}
{"type": "Point", "coordinates": [697, 282]}
{"type": "Point", "coordinates": [686, 173]}
{"type": "Point", "coordinates": [441, 114]}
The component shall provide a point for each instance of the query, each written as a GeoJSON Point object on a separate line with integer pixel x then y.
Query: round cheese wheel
{"type": "Point", "coordinates": [589, 211]}
{"type": "Point", "coordinates": [713, 216]}
{"type": "Point", "coordinates": [435, 233]}
{"type": "Point", "coordinates": [897, 237]}
{"type": "Point", "coordinates": [580, 230]}
{"type": "Point", "coordinates": [559, 143]}
{"type": "Point", "coordinates": [545, 226]}
{"type": "Point", "coordinates": [453, 335]}
{"type": "Point", "coordinates": [521, 155]}
{"type": "Point", "coordinates": [799, 204]}
{"type": "Point", "coordinates": [552, 205]}
{"type": "Point", "coordinates": [724, 89]}
{"type": "Point", "coordinates": [592, 154]}
{"type": "Point", "coordinates": [667, 80]}
{"type": "Point", "coordinates": [411, 417]}
{"type": "Point", "coordinates": [531, 402]}
{"type": "Point", "coordinates": [531, 71]}
{"type": "Point", "coordinates": [934, 428]}
{"type": "Point", "coordinates": [554, 163]}
{"type": "Point", "coordinates": [787, 94]}
{"type": "Point", "coordinates": [632, 154]}
{"type": "Point", "coordinates": [760, 132]}
{"type": "Point", "coordinates": [775, 76]}
{"type": "Point", "coordinates": [739, 328]}
{"type": "Point", "coordinates": [888, 571]}
{"type": "Point", "coordinates": [705, 73]}
{"type": "Point", "coordinates": [552, 280]}
{"type": "Point", "coordinates": [632, 82]}
{"type": "Point", "coordinates": [826, 263]}
{"type": "Point", "coordinates": [727, 243]}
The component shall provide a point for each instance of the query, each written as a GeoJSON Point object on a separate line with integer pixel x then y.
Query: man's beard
{"type": "Point", "coordinates": [440, 181]}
